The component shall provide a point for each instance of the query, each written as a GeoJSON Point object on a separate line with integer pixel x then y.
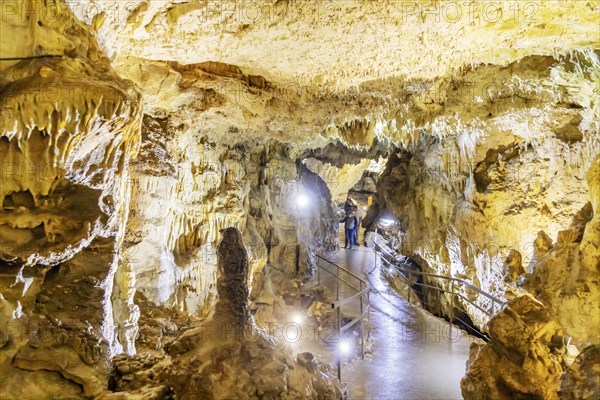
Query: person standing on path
{"type": "Point", "coordinates": [350, 225]}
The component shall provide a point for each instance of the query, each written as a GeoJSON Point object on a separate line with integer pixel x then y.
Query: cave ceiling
{"type": "Point", "coordinates": [315, 72]}
{"type": "Point", "coordinates": [341, 43]}
{"type": "Point", "coordinates": [298, 70]}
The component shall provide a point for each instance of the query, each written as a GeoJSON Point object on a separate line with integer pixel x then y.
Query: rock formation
{"type": "Point", "coordinates": [468, 204]}
{"type": "Point", "coordinates": [232, 286]}
{"type": "Point", "coordinates": [203, 362]}
{"type": "Point", "coordinates": [519, 361]}
{"type": "Point", "coordinates": [581, 379]}
{"type": "Point", "coordinates": [561, 278]}
{"type": "Point", "coordinates": [134, 134]}
{"type": "Point", "coordinates": [69, 129]}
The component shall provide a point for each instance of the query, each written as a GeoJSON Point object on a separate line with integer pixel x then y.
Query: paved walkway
{"type": "Point", "coordinates": [414, 354]}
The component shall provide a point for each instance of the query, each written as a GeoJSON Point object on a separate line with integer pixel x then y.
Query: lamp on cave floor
{"type": "Point", "coordinates": [560, 341]}
{"type": "Point", "coordinates": [344, 350]}
{"type": "Point", "coordinates": [345, 347]}
{"type": "Point", "coordinates": [386, 222]}
{"type": "Point", "coordinates": [297, 318]}
{"type": "Point", "coordinates": [302, 200]}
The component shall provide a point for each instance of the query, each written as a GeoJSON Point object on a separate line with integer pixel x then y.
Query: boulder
{"type": "Point", "coordinates": [519, 361]}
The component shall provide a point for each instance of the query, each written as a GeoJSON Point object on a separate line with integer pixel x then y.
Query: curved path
{"type": "Point", "coordinates": [414, 354]}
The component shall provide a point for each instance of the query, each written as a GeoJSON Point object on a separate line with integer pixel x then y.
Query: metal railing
{"type": "Point", "coordinates": [361, 289]}
{"type": "Point", "coordinates": [495, 304]}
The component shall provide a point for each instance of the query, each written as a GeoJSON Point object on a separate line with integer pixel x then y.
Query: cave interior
{"type": "Point", "coordinates": [177, 176]}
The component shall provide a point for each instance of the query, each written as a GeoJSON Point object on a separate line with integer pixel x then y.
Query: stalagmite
{"type": "Point", "coordinates": [232, 285]}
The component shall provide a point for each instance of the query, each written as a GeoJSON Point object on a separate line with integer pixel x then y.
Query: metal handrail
{"type": "Point", "coordinates": [341, 302]}
{"type": "Point", "coordinates": [343, 269]}
{"type": "Point", "coordinates": [381, 252]}
{"type": "Point", "coordinates": [338, 278]}
{"type": "Point", "coordinates": [362, 294]}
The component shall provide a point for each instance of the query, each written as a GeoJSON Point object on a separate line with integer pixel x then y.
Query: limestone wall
{"type": "Point", "coordinates": [470, 192]}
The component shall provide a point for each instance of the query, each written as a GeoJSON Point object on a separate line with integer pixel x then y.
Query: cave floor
{"type": "Point", "coordinates": [414, 354]}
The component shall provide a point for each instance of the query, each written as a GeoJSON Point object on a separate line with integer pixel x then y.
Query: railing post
{"type": "Point", "coordinates": [339, 326]}
{"type": "Point", "coordinates": [362, 324]}
{"type": "Point", "coordinates": [369, 305]}
{"type": "Point", "coordinates": [375, 252]}
{"type": "Point", "coordinates": [318, 271]}
{"type": "Point", "coordinates": [297, 264]}
{"type": "Point", "coordinates": [409, 284]}
{"type": "Point", "coordinates": [451, 313]}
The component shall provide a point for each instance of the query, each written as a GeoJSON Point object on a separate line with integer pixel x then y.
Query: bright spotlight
{"type": "Point", "coordinates": [302, 200]}
{"type": "Point", "coordinates": [387, 222]}
{"type": "Point", "coordinates": [345, 347]}
{"type": "Point", "coordinates": [297, 318]}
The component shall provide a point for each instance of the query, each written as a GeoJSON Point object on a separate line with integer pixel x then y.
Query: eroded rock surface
{"type": "Point", "coordinates": [581, 379]}
{"type": "Point", "coordinates": [563, 278]}
{"type": "Point", "coordinates": [519, 361]}
{"type": "Point", "coordinates": [69, 127]}
{"type": "Point", "coordinates": [204, 361]}
{"type": "Point", "coordinates": [468, 203]}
